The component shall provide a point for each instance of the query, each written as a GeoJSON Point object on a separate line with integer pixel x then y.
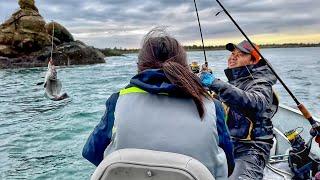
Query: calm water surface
{"type": "Point", "coordinates": [43, 139]}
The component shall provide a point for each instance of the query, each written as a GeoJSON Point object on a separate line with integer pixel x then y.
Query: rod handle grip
{"type": "Point", "coordinates": [304, 111]}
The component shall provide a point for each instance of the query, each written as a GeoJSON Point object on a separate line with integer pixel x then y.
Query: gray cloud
{"type": "Point", "coordinates": [122, 23]}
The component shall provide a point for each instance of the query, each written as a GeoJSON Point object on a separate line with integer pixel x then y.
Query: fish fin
{"type": "Point", "coordinates": [39, 83]}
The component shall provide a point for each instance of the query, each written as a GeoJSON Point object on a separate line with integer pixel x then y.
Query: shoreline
{"type": "Point", "coordinates": [120, 52]}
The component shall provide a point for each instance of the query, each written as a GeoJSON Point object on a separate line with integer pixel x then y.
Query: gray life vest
{"type": "Point", "coordinates": [165, 123]}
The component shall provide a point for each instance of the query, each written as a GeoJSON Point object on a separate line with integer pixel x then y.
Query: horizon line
{"type": "Point", "coordinates": [219, 46]}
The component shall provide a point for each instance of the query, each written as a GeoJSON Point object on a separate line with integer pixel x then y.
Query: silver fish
{"type": "Point", "coordinates": [52, 84]}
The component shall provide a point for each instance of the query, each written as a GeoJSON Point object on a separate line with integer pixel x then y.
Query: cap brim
{"type": "Point", "coordinates": [231, 47]}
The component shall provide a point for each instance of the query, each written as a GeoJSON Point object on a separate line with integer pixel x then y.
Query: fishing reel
{"type": "Point", "coordinates": [195, 67]}
{"type": "Point", "coordinates": [301, 161]}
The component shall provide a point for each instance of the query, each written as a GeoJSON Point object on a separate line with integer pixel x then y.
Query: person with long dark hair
{"type": "Point", "coordinates": [164, 108]}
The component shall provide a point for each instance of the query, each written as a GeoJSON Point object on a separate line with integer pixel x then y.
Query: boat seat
{"type": "Point", "coordinates": [141, 164]}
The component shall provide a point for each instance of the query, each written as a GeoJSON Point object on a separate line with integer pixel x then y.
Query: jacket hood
{"type": "Point", "coordinates": [154, 81]}
{"type": "Point", "coordinates": [260, 70]}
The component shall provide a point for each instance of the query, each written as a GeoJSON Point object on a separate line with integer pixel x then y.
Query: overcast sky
{"type": "Point", "coordinates": [122, 23]}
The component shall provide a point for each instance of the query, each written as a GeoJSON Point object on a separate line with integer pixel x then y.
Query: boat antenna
{"type": "Point", "coordinates": [204, 51]}
{"type": "Point", "coordinates": [52, 39]}
{"type": "Point", "coordinates": [315, 131]}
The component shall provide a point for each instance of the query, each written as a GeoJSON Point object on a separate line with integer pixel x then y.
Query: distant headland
{"type": "Point", "coordinates": [120, 51]}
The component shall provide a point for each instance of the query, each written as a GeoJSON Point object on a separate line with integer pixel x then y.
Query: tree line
{"type": "Point", "coordinates": [120, 51]}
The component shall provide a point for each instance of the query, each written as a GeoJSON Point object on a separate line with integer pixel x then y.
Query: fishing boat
{"type": "Point", "coordinates": [294, 155]}
{"type": "Point", "coordinates": [139, 164]}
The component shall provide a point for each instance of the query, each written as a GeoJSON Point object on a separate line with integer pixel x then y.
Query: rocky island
{"type": "Point", "coordinates": [25, 41]}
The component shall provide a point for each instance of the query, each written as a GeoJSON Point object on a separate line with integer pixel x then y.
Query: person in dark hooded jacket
{"type": "Point", "coordinates": [250, 105]}
{"type": "Point", "coordinates": [164, 108]}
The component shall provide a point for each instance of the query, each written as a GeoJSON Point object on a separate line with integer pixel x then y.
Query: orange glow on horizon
{"type": "Point", "coordinates": [262, 39]}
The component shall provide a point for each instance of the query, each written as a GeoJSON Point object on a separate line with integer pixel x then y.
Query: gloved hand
{"type": "Point", "coordinates": [206, 78]}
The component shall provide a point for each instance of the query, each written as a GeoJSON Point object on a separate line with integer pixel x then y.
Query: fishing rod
{"type": "Point", "coordinates": [315, 131]}
{"type": "Point", "coordinates": [204, 51]}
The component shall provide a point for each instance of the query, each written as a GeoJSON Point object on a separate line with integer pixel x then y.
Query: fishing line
{"type": "Point", "coordinates": [52, 39]}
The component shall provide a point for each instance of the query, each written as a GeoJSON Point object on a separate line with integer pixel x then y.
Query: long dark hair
{"type": "Point", "coordinates": [161, 51]}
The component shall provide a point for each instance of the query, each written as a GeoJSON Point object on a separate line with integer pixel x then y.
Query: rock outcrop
{"type": "Point", "coordinates": [25, 41]}
{"type": "Point", "coordinates": [61, 34]}
{"type": "Point", "coordinates": [75, 52]}
{"type": "Point", "coordinates": [27, 5]}
{"type": "Point", "coordinates": [24, 31]}
{"type": "Point", "coordinates": [72, 53]}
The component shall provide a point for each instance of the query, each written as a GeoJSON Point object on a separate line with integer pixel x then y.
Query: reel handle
{"type": "Point", "coordinates": [315, 132]}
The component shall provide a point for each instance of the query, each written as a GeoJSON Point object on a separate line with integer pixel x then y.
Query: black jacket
{"type": "Point", "coordinates": [250, 99]}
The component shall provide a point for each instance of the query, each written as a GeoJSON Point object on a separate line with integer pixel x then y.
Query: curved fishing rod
{"type": "Point", "coordinates": [302, 108]}
{"type": "Point", "coordinates": [204, 51]}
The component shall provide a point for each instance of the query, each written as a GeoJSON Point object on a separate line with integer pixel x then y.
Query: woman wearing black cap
{"type": "Point", "coordinates": [250, 106]}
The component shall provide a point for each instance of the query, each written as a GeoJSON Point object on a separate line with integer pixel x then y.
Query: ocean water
{"type": "Point", "coordinates": [43, 139]}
